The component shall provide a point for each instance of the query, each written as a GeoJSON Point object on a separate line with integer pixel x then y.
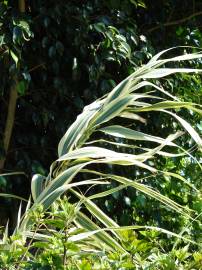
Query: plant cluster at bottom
{"type": "Point", "coordinates": [59, 244]}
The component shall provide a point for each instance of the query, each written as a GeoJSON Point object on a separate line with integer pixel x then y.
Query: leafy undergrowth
{"type": "Point", "coordinates": [62, 246]}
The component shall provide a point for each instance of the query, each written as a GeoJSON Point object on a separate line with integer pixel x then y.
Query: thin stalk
{"type": "Point", "coordinates": [11, 107]}
{"type": "Point", "coordinates": [29, 245]}
{"type": "Point", "coordinates": [65, 248]}
{"type": "Point", "coordinates": [21, 5]}
{"type": "Point", "coordinates": [9, 122]}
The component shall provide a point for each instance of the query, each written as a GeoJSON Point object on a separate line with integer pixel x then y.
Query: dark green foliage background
{"type": "Point", "coordinates": [72, 52]}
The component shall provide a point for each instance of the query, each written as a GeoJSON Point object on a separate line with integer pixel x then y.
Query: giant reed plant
{"type": "Point", "coordinates": [79, 153]}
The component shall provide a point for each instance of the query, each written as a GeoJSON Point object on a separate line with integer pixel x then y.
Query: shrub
{"type": "Point", "coordinates": [75, 233]}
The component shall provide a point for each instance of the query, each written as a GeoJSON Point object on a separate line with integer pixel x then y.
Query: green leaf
{"type": "Point", "coordinates": [113, 109]}
{"type": "Point", "coordinates": [162, 72]}
{"type": "Point", "coordinates": [14, 57]}
{"type": "Point", "coordinates": [100, 27]}
{"type": "Point", "coordinates": [21, 87]}
{"type": "Point", "coordinates": [37, 185]}
{"type": "Point", "coordinates": [195, 136]}
{"type": "Point", "coordinates": [74, 133]}
{"type": "Point", "coordinates": [127, 133]}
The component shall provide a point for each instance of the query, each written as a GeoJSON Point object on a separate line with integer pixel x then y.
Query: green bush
{"type": "Point", "coordinates": [75, 233]}
{"type": "Point", "coordinates": [84, 49]}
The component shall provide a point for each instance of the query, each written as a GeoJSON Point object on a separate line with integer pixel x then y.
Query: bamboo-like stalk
{"type": "Point", "coordinates": [11, 107]}
{"type": "Point", "coordinates": [9, 122]}
{"type": "Point", "coordinates": [21, 5]}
